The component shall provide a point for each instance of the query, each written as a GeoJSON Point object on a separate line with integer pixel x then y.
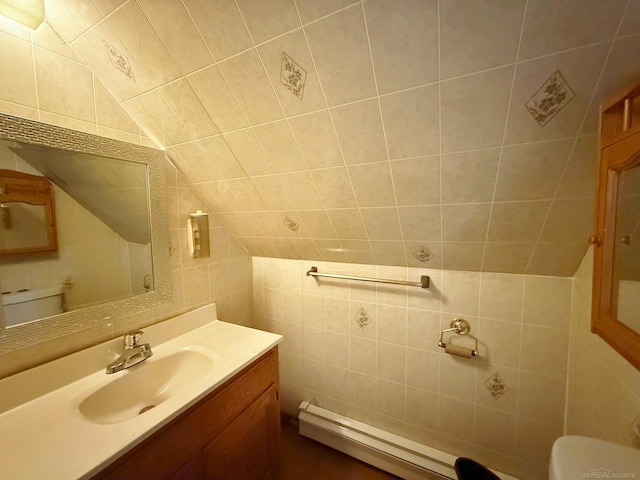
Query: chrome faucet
{"type": "Point", "coordinates": [133, 354]}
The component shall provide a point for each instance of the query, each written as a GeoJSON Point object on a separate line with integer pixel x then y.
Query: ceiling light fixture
{"type": "Point", "coordinates": [29, 13]}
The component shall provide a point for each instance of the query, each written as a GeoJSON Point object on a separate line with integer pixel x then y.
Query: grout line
{"type": "Point", "coordinates": [504, 134]}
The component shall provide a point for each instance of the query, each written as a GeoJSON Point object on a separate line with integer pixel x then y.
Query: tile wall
{"type": "Point", "coordinates": [370, 352]}
{"type": "Point", "coordinates": [604, 389]}
{"type": "Point", "coordinates": [42, 79]}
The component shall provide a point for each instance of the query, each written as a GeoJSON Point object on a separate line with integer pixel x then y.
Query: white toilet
{"type": "Point", "coordinates": [21, 307]}
{"type": "Point", "coordinates": [576, 457]}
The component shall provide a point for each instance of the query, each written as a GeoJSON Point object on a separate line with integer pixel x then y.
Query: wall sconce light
{"type": "Point", "coordinates": [198, 234]}
{"type": "Point", "coordinates": [29, 13]}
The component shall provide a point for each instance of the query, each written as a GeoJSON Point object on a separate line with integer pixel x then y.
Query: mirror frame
{"type": "Point", "coordinates": [619, 151]}
{"type": "Point", "coordinates": [68, 323]}
{"type": "Point", "coordinates": [38, 192]}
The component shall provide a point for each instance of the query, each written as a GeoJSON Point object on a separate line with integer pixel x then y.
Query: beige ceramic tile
{"type": "Point", "coordinates": [533, 171]}
{"type": "Point", "coordinates": [417, 181]}
{"type": "Point", "coordinates": [143, 43]}
{"type": "Point", "coordinates": [372, 184]}
{"type": "Point", "coordinates": [534, 449]}
{"type": "Point", "coordinates": [244, 191]}
{"type": "Point", "coordinates": [249, 152]}
{"type": "Point", "coordinates": [341, 53]}
{"type": "Point", "coordinates": [318, 223]}
{"type": "Point", "coordinates": [268, 19]}
{"type": "Point", "coordinates": [110, 114]}
{"type": "Point", "coordinates": [478, 35]}
{"type": "Point", "coordinates": [462, 255]}
{"type": "Point", "coordinates": [392, 323]}
{"type": "Point", "coordinates": [456, 418]}
{"type": "Point", "coordinates": [215, 95]}
{"type": "Point", "coordinates": [317, 140]}
{"type": "Point", "coordinates": [311, 10]}
{"type": "Point", "coordinates": [110, 60]}
{"type": "Point", "coordinates": [178, 33]}
{"type": "Point", "coordinates": [544, 350]}
{"type": "Point", "coordinates": [358, 251]}
{"type": "Point", "coordinates": [506, 402]}
{"type": "Point", "coordinates": [547, 301]}
{"type": "Point", "coordinates": [560, 259]}
{"type": "Point", "coordinates": [334, 187]}
{"type": "Point", "coordinates": [221, 26]}
{"type": "Point", "coordinates": [422, 408]}
{"type": "Point", "coordinates": [391, 362]}
{"type": "Point", "coordinates": [272, 192]}
{"type": "Point", "coordinates": [555, 26]}
{"type": "Point", "coordinates": [541, 397]}
{"type": "Point", "coordinates": [580, 70]}
{"type": "Point", "coordinates": [46, 37]}
{"type": "Point", "coordinates": [465, 222]}
{"type": "Point", "coordinates": [302, 190]}
{"type": "Point", "coordinates": [462, 290]}
{"type": "Point", "coordinates": [66, 89]}
{"type": "Point", "coordinates": [359, 130]}
{"type": "Point", "coordinates": [108, 6]}
{"type": "Point", "coordinates": [502, 427]}
{"type": "Point", "coordinates": [517, 221]}
{"type": "Point", "coordinates": [280, 146]}
{"type": "Point", "coordinates": [297, 96]}
{"type": "Point", "coordinates": [225, 163]}
{"type": "Point", "coordinates": [17, 78]}
{"type": "Point", "coordinates": [190, 113]}
{"type": "Point", "coordinates": [579, 179]}
{"type": "Point", "coordinates": [15, 29]}
{"type": "Point", "coordinates": [400, 60]}
{"type": "Point", "coordinates": [569, 221]}
{"type": "Point", "coordinates": [249, 83]}
{"type": "Point", "coordinates": [411, 122]}
{"type": "Point", "coordinates": [388, 252]}
{"type": "Point", "coordinates": [499, 342]}
{"type": "Point", "coordinates": [348, 223]}
{"type": "Point", "coordinates": [474, 110]}
{"type": "Point", "coordinates": [70, 19]}
{"type": "Point", "coordinates": [381, 223]}
{"type": "Point", "coordinates": [507, 257]}
{"type": "Point", "coordinates": [501, 296]}
{"type": "Point", "coordinates": [470, 176]}
{"type": "Point", "coordinates": [420, 223]}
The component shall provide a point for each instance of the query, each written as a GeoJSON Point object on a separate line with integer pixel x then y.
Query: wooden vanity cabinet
{"type": "Point", "coordinates": [232, 433]}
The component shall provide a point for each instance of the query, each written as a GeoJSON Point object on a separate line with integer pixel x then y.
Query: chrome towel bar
{"type": "Point", "coordinates": [423, 283]}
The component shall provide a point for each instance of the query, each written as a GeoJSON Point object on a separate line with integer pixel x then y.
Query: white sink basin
{"type": "Point", "coordinates": [138, 389]}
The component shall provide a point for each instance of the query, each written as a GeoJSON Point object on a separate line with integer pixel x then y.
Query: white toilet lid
{"type": "Point", "coordinates": [575, 456]}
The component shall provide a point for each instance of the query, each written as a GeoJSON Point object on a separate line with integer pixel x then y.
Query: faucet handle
{"type": "Point", "coordinates": [132, 339]}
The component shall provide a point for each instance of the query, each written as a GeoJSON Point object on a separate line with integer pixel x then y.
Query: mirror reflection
{"type": "Point", "coordinates": [627, 248]}
{"type": "Point", "coordinates": [103, 234]}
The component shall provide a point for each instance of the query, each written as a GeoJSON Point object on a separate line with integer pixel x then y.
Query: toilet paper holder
{"type": "Point", "coordinates": [461, 327]}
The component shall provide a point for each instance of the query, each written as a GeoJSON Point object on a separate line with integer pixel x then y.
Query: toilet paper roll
{"type": "Point", "coordinates": [458, 351]}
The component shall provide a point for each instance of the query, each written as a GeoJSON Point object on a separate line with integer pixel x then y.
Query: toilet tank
{"type": "Point", "coordinates": [21, 307]}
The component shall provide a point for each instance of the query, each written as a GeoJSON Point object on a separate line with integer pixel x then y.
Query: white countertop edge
{"type": "Point", "coordinates": [48, 437]}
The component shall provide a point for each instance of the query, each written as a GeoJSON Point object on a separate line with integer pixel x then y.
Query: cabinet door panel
{"type": "Point", "coordinates": [249, 447]}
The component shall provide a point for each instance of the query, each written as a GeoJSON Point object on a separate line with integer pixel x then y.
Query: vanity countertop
{"type": "Point", "coordinates": [48, 437]}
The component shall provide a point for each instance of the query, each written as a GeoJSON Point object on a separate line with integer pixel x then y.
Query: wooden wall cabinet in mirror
{"type": "Point", "coordinates": [28, 219]}
{"type": "Point", "coordinates": [616, 270]}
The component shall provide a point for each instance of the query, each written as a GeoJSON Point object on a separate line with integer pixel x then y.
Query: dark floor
{"type": "Point", "coordinates": [306, 459]}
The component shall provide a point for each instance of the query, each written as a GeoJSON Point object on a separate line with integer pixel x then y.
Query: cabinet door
{"type": "Point", "coordinates": [248, 448]}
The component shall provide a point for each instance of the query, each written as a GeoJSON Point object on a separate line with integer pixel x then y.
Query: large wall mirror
{"type": "Point", "coordinates": [110, 259]}
{"type": "Point", "coordinates": [616, 276]}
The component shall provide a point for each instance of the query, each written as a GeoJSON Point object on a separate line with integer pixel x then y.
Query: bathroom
{"type": "Point", "coordinates": [404, 141]}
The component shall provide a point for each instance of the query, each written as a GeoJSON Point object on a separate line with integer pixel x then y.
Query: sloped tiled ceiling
{"type": "Point", "coordinates": [456, 134]}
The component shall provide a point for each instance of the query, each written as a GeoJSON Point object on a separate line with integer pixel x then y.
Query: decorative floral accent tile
{"type": "Point", "coordinates": [119, 60]}
{"type": "Point", "coordinates": [362, 318]}
{"type": "Point", "coordinates": [292, 76]}
{"type": "Point", "coordinates": [291, 224]}
{"type": "Point", "coordinates": [550, 98]}
{"type": "Point", "coordinates": [495, 386]}
{"type": "Point", "coordinates": [423, 255]}
{"type": "Point", "coordinates": [172, 249]}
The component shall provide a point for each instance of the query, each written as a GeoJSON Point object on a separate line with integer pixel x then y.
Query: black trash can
{"type": "Point", "coordinates": [467, 469]}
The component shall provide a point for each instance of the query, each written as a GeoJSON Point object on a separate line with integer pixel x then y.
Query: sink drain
{"type": "Point", "coordinates": [145, 409]}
